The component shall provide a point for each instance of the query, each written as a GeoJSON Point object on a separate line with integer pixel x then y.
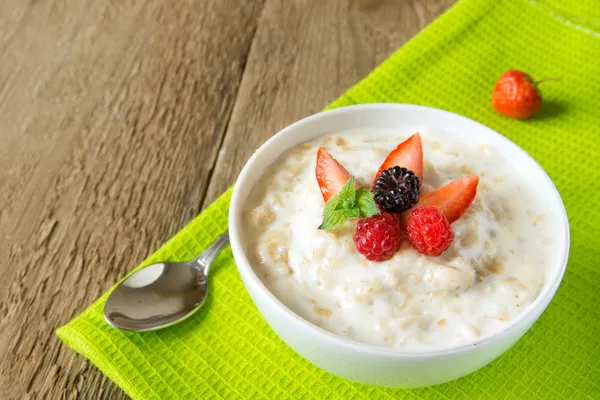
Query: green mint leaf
{"type": "Point", "coordinates": [348, 204]}
{"type": "Point", "coordinates": [337, 219]}
{"type": "Point", "coordinates": [332, 205]}
{"type": "Point", "coordinates": [353, 213]}
{"type": "Point", "coordinates": [365, 203]}
{"type": "Point", "coordinates": [346, 195]}
{"type": "Point", "coordinates": [334, 220]}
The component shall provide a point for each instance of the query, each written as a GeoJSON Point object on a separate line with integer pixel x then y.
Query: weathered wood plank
{"type": "Point", "coordinates": [111, 114]}
{"type": "Point", "coordinates": [305, 54]}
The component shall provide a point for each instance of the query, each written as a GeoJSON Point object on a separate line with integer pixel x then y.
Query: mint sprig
{"type": "Point", "coordinates": [348, 203]}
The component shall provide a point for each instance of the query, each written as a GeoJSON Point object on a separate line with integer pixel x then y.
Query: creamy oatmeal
{"type": "Point", "coordinates": [493, 270]}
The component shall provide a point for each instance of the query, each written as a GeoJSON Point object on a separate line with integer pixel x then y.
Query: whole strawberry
{"type": "Point", "coordinates": [516, 95]}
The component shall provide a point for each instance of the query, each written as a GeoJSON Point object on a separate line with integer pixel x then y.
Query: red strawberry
{"type": "Point", "coordinates": [452, 199]}
{"type": "Point", "coordinates": [408, 154]}
{"type": "Point", "coordinates": [331, 175]}
{"type": "Point", "coordinates": [516, 95]}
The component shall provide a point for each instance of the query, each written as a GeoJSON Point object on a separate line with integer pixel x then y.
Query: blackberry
{"type": "Point", "coordinates": [397, 189]}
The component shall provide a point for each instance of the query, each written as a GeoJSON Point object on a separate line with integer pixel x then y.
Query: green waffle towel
{"type": "Point", "coordinates": [227, 350]}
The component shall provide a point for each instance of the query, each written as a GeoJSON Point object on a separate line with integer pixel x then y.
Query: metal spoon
{"type": "Point", "coordinates": [162, 294]}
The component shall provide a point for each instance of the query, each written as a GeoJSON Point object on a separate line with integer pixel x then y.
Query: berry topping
{"type": "Point", "coordinates": [429, 231]}
{"type": "Point", "coordinates": [378, 237]}
{"type": "Point", "coordinates": [453, 198]}
{"type": "Point", "coordinates": [408, 154]}
{"type": "Point", "coordinates": [331, 175]}
{"type": "Point", "coordinates": [397, 189]}
{"type": "Point", "coordinates": [516, 95]}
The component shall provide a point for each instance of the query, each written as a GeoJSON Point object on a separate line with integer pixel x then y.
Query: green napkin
{"type": "Point", "coordinates": [227, 350]}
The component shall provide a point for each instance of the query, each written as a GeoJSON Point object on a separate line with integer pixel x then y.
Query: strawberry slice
{"type": "Point", "coordinates": [331, 175]}
{"type": "Point", "coordinates": [452, 199]}
{"type": "Point", "coordinates": [408, 154]}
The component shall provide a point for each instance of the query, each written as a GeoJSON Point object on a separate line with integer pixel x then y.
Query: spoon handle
{"type": "Point", "coordinates": [205, 259]}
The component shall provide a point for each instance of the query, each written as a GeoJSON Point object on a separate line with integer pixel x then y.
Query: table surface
{"type": "Point", "coordinates": [121, 120]}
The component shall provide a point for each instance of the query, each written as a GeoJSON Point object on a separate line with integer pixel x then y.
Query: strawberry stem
{"type": "Point", "coordinates": [546, 80]}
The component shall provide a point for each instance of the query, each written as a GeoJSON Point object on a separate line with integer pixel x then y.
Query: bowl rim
{"type": "Point", "coordinates": [246, 270]}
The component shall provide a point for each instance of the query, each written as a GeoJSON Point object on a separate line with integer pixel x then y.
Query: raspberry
{"type": "Point", "coordinates": [429, 231]}
{"type": "Point", "coordinates": [378, 237]}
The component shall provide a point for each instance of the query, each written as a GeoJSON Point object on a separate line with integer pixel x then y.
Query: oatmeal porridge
{"type": "Point", "coordinates": [490, 273]}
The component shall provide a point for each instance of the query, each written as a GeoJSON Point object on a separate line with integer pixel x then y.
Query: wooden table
{"type": "Point", "coordinates": [120, 120]}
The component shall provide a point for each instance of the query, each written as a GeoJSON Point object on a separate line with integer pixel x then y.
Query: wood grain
{"type": "Point", "coordinates": [112, 114]}
{"type": "Point", "coordinates": [305, 54]}
{"type": "Point", "coordinates": [120, 120]}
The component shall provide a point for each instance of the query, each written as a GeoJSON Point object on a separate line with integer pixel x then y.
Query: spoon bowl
{"type": "Point", "coordinates": [162, 294]}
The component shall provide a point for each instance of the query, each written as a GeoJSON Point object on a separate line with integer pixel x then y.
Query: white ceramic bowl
{"type": "Point", "coordinates": [366, 363]}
